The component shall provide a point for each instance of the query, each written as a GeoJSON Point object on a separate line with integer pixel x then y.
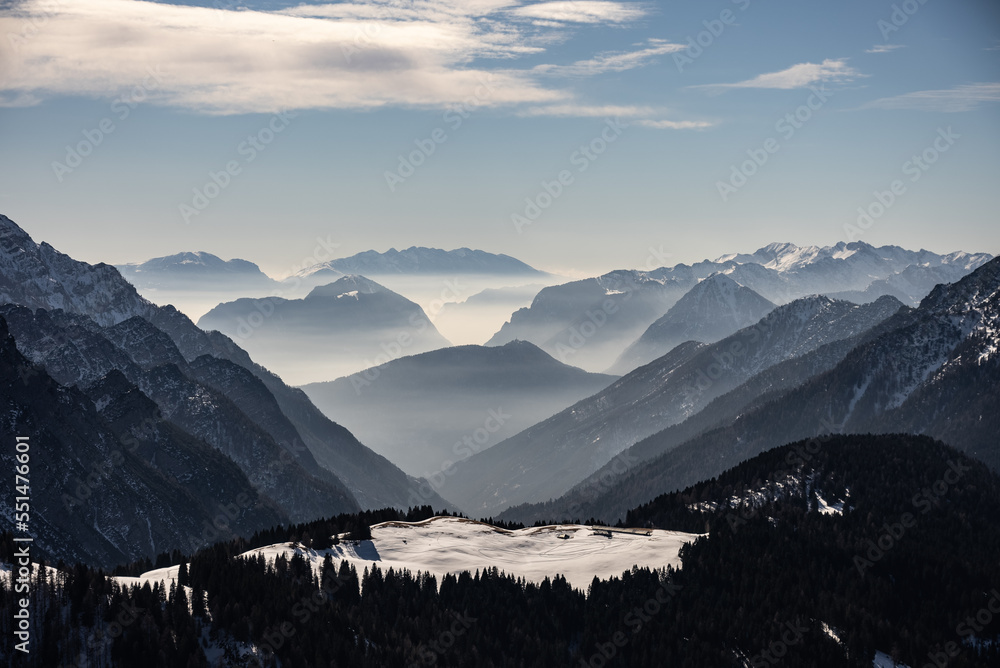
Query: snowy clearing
{"type": "Point", "coordinates": [443, 545]}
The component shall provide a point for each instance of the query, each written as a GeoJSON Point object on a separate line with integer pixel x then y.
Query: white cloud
{"type": "Point", "coordinates": [582, 11]}
{"type": "Point", "coordinates": [884, 48]}
{"type": "Point", "coordinates": [675, 125]}
{"type": "Point", "coordinates": [583, 110]}
{"type": "Point", "coordinates": [796, 76]}
{"type": "Point", "coordinates": [615, 111]}
{"type": "Point", "coordinates": [352, 55]}
{"type": "Point", "coordinates": [618, 61]}
{"type": "Point", "coordinates": [961, 98]}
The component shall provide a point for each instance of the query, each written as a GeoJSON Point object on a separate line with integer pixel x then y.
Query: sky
{"type": "Point", "coordinates": [579, 136]}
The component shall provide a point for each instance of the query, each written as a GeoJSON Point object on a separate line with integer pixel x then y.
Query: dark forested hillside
{"type": "Point", "coordinates": [817, 554]}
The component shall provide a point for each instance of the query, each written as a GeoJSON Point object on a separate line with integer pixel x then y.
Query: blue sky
{"type": "Point", "coordinates": [310, 107]}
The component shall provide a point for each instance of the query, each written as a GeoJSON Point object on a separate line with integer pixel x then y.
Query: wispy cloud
{"type": "Point", "coordinates": [642, 113]}
{"type": "Point", "coordinates": [617, 61]}
{"type": "Point", "coordinates": [583, 110]}
{"type": "Point", "coordinates": [352, 55]}
{"type": "Point", "coordinates": [582, 11]}
{"type": "Point", "coordinates": [967, 97]}
{"type": "Point", "coordinates": [675, 125]}
{"type": "Point", "coordinates": [10, 100]}
{"type": "Point", "coordinates": [885, 48]}
{"type": "Point", "coordinates": [796, 76]}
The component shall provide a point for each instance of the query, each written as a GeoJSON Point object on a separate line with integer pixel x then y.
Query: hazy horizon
{"type": "Point", "coordinates": [573, 136]}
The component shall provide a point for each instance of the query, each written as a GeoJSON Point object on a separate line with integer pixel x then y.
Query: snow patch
{"type": "Point", "coordinates": [827, 508]}
{"type": "Point", "coordinates": [443, 545]}
{"type": "Point", "coordinates": [883, 660]}
{"type": "Point", "coordinates": [831, 632]}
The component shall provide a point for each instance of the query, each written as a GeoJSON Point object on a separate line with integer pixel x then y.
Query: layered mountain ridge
{"type": "Point", "coordinates": [933, 370]}
{"type": "Point", "coordinates": [84, 324]}
{"type": "Point", "coordinates": [547, 459]}
{"type": "Point", "coordinates": [627, 302]}
{"type": "Point", "coordinates": [428, 410]}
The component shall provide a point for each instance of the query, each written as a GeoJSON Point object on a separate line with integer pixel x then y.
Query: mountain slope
{"type": "Point", "coordinates": [549, 458]}
{"type": "Point", "coordinates": [104, 488]}
{"type": "Point", "coordinates": [425, 411]}
{"type": "Point", "coordinates": [337, 329]}
{"type": "Point", "coordinates": [910, 285]}
{"type": "Point", "coordinates": [786, 257]}
{"type": "Point", "coordinates": [588, 323]}
{"type": "Point", "coordinates": [761, 388]}
{"type": "Point", "coordinates": [39, 277]}
{"type": "Point", "coordinates": [420, 260]}
{"type": "Point", "coordinates": [564, 320]}
{"type": "Point", "coordinates": [77, 352]}
{"type": "Point", "coordinates": [865, 543]}
{"type": "Point", "coordinates": [195, 271]}
{"type": "Point", "coordinates": [711, 310]}
{"type": "Point", "coordinates": [814, 558]}
{"type": "Point", "coordinates": [935, 371]}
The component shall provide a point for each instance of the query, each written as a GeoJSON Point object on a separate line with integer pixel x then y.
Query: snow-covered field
{"type": "Point", "coordinates": [165, 576]}
{"type": "Point", "coordinates": [443, 545]}
{"type": "Point", "coordinates": [451, 545]}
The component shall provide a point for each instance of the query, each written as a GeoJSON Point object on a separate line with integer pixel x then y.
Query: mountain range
{"type": "Point", "coordinates": [728, 358]}
{"type": "Point", "coordinates": [590, 323]}
{"type": "Point", "coordinates": [195, 271]}
{"type": "Point", "coordinates": [932, 370]}
{"type": "Point", "coordinates": [425, 411]}
{"type": "Point", "coordinates": [200, 270]}
{"type": "Point", "coordinates": [337, 329]}
{"type": "Point", "coordinates": [547, 459]}
{"type": "Point", "coordinates": [714, 308]}
{"type": "Point", "coordinates": [420, 260]}
{"type": "Point", "coordinates": [860, 551]}
{"type": "Point", "coordinates": [92, 348]}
